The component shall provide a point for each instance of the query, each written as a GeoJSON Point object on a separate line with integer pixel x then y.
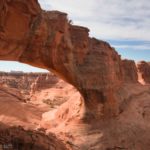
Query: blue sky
{"type": "Point", "coordinates": [125, 24]}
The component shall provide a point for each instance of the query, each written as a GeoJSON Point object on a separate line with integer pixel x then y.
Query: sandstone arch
{"type": "Point", "coordinates": [46, 39]}
{"type": "Point", "coordinates": [107, 84]}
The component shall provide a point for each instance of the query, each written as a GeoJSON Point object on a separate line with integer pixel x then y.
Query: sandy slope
{"type": "Point", "coordinates": [14, 111]}
{"type": "Point", "coordinates": [63, 112]}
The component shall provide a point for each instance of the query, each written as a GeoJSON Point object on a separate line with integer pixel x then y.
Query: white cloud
{"type": "Point", "coordinates": [115, 19]}
{"type": "Point", "coordinates": [132, 47]}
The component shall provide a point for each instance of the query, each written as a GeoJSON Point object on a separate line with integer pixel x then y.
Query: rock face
{"type": "Point", "coordinates": [129, 71]}
{"type": "Point", "coordinates": [43, 81]}
{"type": "Point", "coordinates": [48, 40]}
{"type": "Point", "coordinates": [112, 112]}
{"type": "Point", "coordinates": [144, 71]}
{"type": "Point", "coordinates": [27, 83]}
{"type": "Point", "coordinates": [18, 138]}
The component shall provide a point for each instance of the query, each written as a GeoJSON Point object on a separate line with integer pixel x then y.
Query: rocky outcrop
{"type": "Point", "coordinates": [46, 39]}
{"type": "Point", "coordinates": [43, 81]}
{"type": "Point", "coordinates": [129, 71]}
{"type": "Point", "coordinates": [27, 83]}
{"type": "Point", "coordinates": [144, 71]}
{"type": "Point", "coordinates": [18, 138]}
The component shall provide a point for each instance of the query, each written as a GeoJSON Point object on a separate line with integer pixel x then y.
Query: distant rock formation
{"type": "Point", "coordinates": [144, 71]}
{"type": "Point", "coordinates": [39, 87]}
{"type": "Point", "coordinates": [27, 82]}
{"type": "Point", "coordinates": [129, 71]}
{"type": "Point", "coordinates": [43, 81]}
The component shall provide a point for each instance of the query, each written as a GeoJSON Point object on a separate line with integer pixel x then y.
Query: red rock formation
{"type": "Point", "coordinates": [35, 88]}
{"type": "Point", "coordinates": [27, 82]}
{"type": "Point", "coordinates": [144, 71]}
{"type": "Point", "coordinates": [129, 71]}
{"type": "Point", "coordinates": [43, 81]}
{"type": "Point", "coordinates": [18, 138]}
{"type": "Point", "coordinates": [47, 40]}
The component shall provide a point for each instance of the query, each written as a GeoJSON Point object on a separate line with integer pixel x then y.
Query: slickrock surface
{"type": "Point", "coordinates": [13, 111]}
{"type": "Point", "coordinates": [112, 110]}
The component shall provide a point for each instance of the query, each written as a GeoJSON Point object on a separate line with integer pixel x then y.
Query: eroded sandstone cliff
{"type": "Point", "coordinates": [144, 71]}
{"type": "Point", "coordinates": [129, 71]}
{"type": "Point", "coordinates": [26, 84]}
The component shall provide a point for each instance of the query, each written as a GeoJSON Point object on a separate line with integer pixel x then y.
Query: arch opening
{"type": "Point", "coordinates": [32, 91]}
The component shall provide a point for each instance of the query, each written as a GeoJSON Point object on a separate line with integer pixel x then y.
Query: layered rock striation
{"type": "Point", "coordinates": [129, 70]}
{"type": "Point", "coordinates": [27, 82]}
